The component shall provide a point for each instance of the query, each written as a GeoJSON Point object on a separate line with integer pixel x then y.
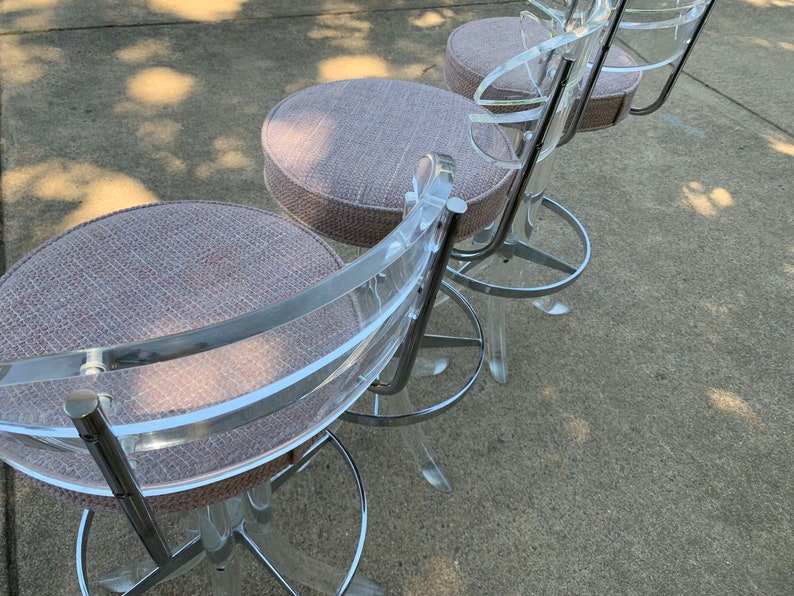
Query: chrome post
{"type": "Point", "coordinates": [677, 69]}
{"type": "Point", "coordinates": [84, 409]}
{"type": "Point", "coordinates": [515, 194]}
{"type": "Point", "coordinates": [430, 284]}
{"type": "Point", "coordinates": [595, 71]}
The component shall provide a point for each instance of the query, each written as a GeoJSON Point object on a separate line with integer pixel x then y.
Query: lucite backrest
{"type": "Point", "coordinates": [301, 362]}
{"type": "Point", "coordinates": [657, 32]}
{"type": "Point", "coordinates": [572, 40]}
{"type": "Point", "coordinates": [654, 33]}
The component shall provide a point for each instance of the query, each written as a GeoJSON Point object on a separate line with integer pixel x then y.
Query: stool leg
{"type": "Point", "coordinates": [261, 529]}
{"type": "Point", "coordinates": [416, 441]}
{"type": "Point", "coordinates": [496, 339]}
{"type": "Point", "coordinates": [216, 525]}
{"type": "Point", "coordinates": [226, 580]}
{"type": "Point", "coordinates": [429, 366]}
{"type": "Point", "coordinates": [549, 304]}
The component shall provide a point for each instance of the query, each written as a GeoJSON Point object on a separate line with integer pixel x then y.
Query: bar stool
{"type": "Point", "coordinates": [379, 125]}
{"type": "Point", "coordinates": [191, 356]}
{"type": "Point", "coordinates": [642, 35]}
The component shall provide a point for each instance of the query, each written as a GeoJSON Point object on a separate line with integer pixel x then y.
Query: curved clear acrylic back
{"type": "Point", "coordinates": [575, 39]}
{"type": "Point", "coordinates": [280, 374]}
{"type": "Point", "coordinates": [656, 32]}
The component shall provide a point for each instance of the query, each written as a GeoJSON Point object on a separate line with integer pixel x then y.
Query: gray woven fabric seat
{"type": "Point", "coordinates": [157, 270]}
{"type": "Point", "coordinates": [478, 47]}
{"type": "Point", "coordinates": [337, 156]}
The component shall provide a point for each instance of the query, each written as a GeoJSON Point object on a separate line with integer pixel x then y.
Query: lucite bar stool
{"type": "Point", "coordinates": [306, 134]}
{"type": "Point", "coordinates": [654, 34]}
{"type": "Point", "coordinates": [334, 166]}
{"type": "Point", "coordinates": [478, 47]}
{"type": "Point", "coordinates": [191, 356]}
{"type": "Point", "coordinates": [642, 36]}
{"type": "Point", "coordinates": [380, 124]}
{"type": "Point", "coordinates": [659, 34]}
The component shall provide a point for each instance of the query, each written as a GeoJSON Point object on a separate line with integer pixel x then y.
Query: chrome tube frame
{"type": "Point", "coordinates": [677, 69]}
{"type": "Point", "coordinates": [609, 37]}
{"type": "Point", "coordinates": [601, 57]}
{"type": "Point", "coordinates": [499, 243]}
{"type": "Point", "coordinates": [432, 341]}
{"type": "Point", "coordinates": [84, 409]}
{"type": "Point", "coordinates": [242, 538]}
{"type": "Point", "coordinates": [427, 291]}
{"type": "Point", "coordinates": [516, 192]}
{"type": "Point", "coordinates": [530, 253]}
{"type": "Point", "coordinates": [188, 552]}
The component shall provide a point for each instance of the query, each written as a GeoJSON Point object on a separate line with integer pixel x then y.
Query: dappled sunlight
{"type": "Point", "coordinates": [706, 202]}
{"type": "Point", "coordinates": [728, 402]}
{"type": "Point", "coordinates": [160, 132]}
{"type": "Point", "coordinates": [9, 6]}
{"type": "Point", "coordinates": [578, 429]}
{"type": "Point", "coordinates": [172, 163]}
{"type": "Point", "coordinates": [314, 133]}
{"type": "Point", "coordinates": [93, 190]}
{"type": "Point", "coordinates": [230, 156]}
{"type": "Point", "coordinates": [109, 193]}
{"type": "Point", "coordinates": [715, 308]}
{"type": "Point", "coordinates": [427, 61]}
{"type": "Point", "coordinates": [780, 144]}
{"type": "Point", "coordinates": [549, 394]}
{"type": "Point", "coordinates": [345, 31]}
{"type": "Point", "coordinates": [27, 15]}
{"type": "Point", "coordinates": [161, 86]}
{"type": "Point", "coordinates": [23, 63]}
{"type": "Point", "coordinates": [158, 136]}
{"type": "Point", "coordinates": [771, 3]}
{"type": "Point", "coordinates": [765, 43]}
{"type": "Point", "coordinates": [352, 67]}
{"type": "Point", "coordinates": [715, 317]}
{"type": "Point", "coordinates": [146, 50]}
{"type": "Point", "coordinates": [155, 88]}
{"type": "Point", "coordinates": [438, 575]}
{"type": "Point", "coordinates": [432, 18]}
{"type": "Point", "coordinates": [352, 34]}
{"type": "Point", "coordinates": [198, 10]}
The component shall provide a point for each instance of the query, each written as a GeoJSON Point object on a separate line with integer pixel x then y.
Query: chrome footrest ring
{"type": "Point", "coordinates": [478, 342]}
{"type": "Point", "coordinates": [484, 287]}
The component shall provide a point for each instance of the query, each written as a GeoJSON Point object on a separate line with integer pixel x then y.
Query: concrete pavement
{"type": "Point", "coordinates": [644, 442]}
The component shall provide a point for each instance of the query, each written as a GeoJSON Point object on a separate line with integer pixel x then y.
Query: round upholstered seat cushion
{"type": "Point", "coordinates": [478, 47]}
{"type": "Point", "coordinates": [339, 157]}
{"type": "Point", "coordinates": [158, 270]}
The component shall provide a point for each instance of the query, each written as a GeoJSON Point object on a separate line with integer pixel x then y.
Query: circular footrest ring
{"type": "Point", "coordinates": [433, 341]}
{"type": "Point", "coordinates": [192, 551]}
{"type": "Point", "coordinates": [539, 257]}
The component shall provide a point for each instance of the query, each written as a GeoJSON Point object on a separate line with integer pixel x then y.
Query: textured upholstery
{"type": "Point", "coordinates": [478, 47]}
{"type": "Point", "coordinates": [156, 270]}
{"type": "Point", "coordinates": [338, 156]}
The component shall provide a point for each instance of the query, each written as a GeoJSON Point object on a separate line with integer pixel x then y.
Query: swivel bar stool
{"type": "Point", "coordinates": [642, 36]}
{"type": "Point", "coordinates": [380, 125]}
{"type": "Point", "coordinates": [190, 356]}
